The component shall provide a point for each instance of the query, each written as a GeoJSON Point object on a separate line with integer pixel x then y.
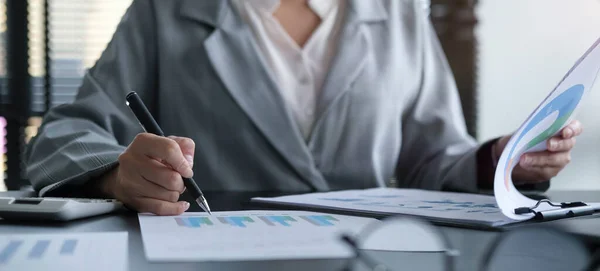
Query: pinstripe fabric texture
{"type": "Point", "coordinates": [388, 107]}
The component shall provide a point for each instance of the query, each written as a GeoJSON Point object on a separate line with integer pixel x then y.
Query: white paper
{"type": "Point", "coordinates": [461, 207]}
{"type": "Point", "coordinates": [247, 235]}
{"type": "Point", "coordinates": [60, 252]}
{"type": "Point", "coordinates": [554, 113]}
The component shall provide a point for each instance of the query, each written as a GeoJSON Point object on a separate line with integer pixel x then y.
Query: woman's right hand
{"type": "Point", "coordinates": [149, 175]}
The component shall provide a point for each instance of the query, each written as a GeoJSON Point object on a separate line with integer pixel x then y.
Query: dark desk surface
{"type": "Point", "coordinates": [471, 244]}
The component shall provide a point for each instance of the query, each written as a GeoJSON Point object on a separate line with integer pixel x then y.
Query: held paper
{"type": "Point", "coordinates": [554, 113]}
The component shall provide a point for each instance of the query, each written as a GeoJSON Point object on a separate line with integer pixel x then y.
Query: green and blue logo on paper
{"type": "Point", "coordinates": [553, 116]}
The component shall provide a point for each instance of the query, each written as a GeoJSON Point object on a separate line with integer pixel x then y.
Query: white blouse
{"type": "Point", "coordinates": [299, 72]}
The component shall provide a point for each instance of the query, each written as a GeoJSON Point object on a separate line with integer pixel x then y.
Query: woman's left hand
{"type": "Point", "coordinates": [536, 167]}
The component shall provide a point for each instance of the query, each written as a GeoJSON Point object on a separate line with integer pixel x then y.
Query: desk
{"type": "Point", "coordinates": [472, 244]}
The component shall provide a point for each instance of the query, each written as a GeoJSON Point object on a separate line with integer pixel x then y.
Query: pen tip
{"type": "Point", "coordinates": [203, 204]}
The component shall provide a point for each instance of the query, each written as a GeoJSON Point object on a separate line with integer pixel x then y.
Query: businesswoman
{"type": "Point", "coordinates": [280, 95]}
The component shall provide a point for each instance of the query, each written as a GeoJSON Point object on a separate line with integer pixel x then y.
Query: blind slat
{"type": "Point", "coordinates": [79, 32]}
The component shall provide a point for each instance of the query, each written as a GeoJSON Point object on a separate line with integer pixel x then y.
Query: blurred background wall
{"type": "Point", "coordinates": [506, 56]}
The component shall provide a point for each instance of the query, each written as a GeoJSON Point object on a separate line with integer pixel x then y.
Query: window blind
{"type": "Point", "coordinates": [79, 31]}
{"type": "Point", "coordinates": [3, 91]}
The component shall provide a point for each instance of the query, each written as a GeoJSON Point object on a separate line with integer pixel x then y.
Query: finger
{"type": "Point", "coordinates": [148, 189]}
{"type": "Point", "coordinates": [545, 159]}
{"type": "Point", "coordinates": [159, 207]}
{"type": "Point", "coordinates": [161, 175]}
{"type": "Point", "coordinates": [557, 144]}
{"type": "Point", "coordinates": [132, 185]}
{"type": "Point", "coordinates": [163, 149]}
{"type": "Point", "coordinates": [575, 128]}
{"type": "Point", "coordinates": [188, 147]}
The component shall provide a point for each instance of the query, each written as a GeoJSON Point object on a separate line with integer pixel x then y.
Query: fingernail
{"type": "Point", "coordinates": [190, 160]}
{"type": "Point", "coordinates": [186, 205]}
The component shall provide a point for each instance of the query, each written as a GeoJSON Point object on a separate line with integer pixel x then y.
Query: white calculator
{"type": "Point", "coordinates": [59, 209]}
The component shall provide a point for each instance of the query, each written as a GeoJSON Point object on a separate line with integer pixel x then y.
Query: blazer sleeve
{"type": "Point", "coordinates": [80, 141]}
{"type": "Point", "coordinates": [437, 152]}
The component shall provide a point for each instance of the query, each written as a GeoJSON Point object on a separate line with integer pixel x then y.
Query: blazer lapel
{"type": "Point", "coordinates": [238, 63]}
{"type": "Point", "coordinates": [352, 51]}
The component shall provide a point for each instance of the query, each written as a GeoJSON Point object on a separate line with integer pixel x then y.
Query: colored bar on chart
{"type": "Point", "coordinates": [182, 222]}
{"type": "Point", "coordinates": [38, 249]}
{"type": "Point", "coordinates": [193, 222]}
{"type": "Point", "coordinates": [9, 250]}
{"type": "Point", "coordinates": [68, 247]}
{"type": "Point", "coordinates": [237, 221]}
{"type": "Point", "coordinates": [197, 221]}
{"type": "Point", "coordinates": [267, 221]}
{"type": "Point", "coordinates": [320, 220]}
{"type": "Point", "coordinates": [280, 219]}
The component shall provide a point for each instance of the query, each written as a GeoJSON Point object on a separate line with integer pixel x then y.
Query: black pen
{"type": "Point", "coordinates": [151, 126]}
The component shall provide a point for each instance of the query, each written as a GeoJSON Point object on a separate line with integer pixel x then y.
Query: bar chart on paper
{"type": "Point", "coordinates": [247, 235]}
{"type": "Point", "coordinates": [63, 251]}
{"type": "Point", "coordinates": [243, 221]}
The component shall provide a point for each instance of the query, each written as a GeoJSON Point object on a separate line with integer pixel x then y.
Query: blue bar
{"type": "Point", "coordinates": [38, 249]}
{"type": "Point", "coordinates": [68, 247]}
{"type": "Point", "coordinates": [283, 220]}
{"type": "Point", "coordinates": [9, 250]}
{"type": "Point", "coordinates": [235, 222]}
{"type": "Point", "coordinates": [194, 222]}
{"type": "Point", "coordinates": [320, 220]}
{"type": "Point", "coordinates": [239, 220]}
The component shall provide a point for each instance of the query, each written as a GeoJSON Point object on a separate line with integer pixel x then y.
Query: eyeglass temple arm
{"type": "Point", "coordinates": [368, 260]}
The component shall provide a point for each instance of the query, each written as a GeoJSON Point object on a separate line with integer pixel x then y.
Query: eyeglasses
{"type": "Point", "coordinates": [400, 243]}
{"type": "Point", "coordinates": [538, 248]}
{"type": "Point", "coordinates": [411, 244]}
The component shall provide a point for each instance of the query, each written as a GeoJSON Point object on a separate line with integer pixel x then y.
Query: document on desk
{"type": "Point", "coordinates": [60, 252]}
{"type": "Point", "coordinates": [555, 112]}
{"type": "Point", "coordinates": [247, 235]}
{"type": "Point", "coordinates": [442, 207]}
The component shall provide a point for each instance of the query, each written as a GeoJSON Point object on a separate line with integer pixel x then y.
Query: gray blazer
{"type": "Point", "coordinates": [389, 107]}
